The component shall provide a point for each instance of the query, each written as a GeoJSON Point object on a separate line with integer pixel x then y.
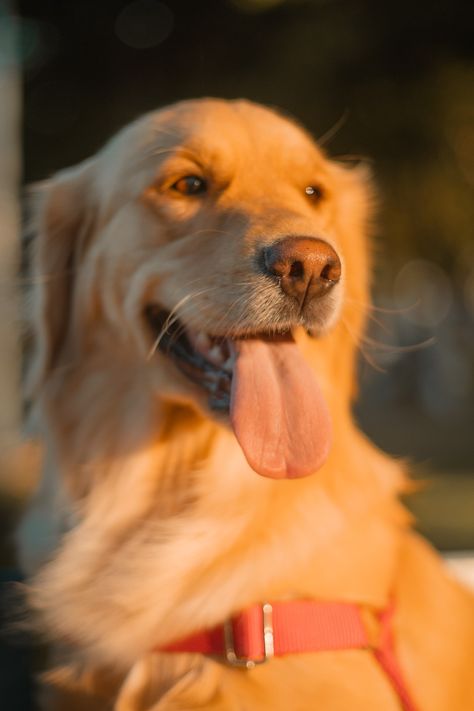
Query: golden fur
{"type": "Point", "coordinates": [155, 525]}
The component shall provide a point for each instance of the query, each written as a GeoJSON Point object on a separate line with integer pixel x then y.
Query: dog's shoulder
{"type": "Point", "coordinates": [434, 627]}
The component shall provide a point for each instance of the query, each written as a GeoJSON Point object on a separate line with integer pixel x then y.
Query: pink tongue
{"type": "Point", "coordinates": [277, 410]}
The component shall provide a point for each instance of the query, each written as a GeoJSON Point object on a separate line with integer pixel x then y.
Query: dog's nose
{"type": "Point", "coordinates": [306, 267]}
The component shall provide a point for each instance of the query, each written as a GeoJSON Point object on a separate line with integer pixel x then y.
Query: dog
{"type": "Point", "coordinates": [199, 291]}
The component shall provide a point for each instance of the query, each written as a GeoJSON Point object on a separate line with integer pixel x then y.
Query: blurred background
{"type": "Point", "coordinates": [390, 82]}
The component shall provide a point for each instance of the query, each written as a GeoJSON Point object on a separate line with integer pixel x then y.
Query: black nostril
{"type": "Point", "coordinates": [296, 270]}
{"type": "Point", "coordinates": [330, 272]}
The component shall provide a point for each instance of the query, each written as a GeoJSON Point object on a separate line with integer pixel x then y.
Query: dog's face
{"type": "Point", "coordinates": [217, 249]}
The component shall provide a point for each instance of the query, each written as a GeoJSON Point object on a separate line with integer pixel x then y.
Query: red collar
{"type": "Point", "coordinates": [294, 627]}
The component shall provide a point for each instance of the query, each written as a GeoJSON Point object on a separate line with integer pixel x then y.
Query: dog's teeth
{"type": "Point", "coordinates": [229, 364]}
{"type": "Point", "coordinates": [215, 355]}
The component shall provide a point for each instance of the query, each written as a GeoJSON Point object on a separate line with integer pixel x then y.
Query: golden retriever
{"type": "Point", "coordinates": [200, 289]}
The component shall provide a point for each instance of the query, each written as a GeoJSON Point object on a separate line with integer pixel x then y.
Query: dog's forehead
{"type": "Point", "coordinates": [222, 129]}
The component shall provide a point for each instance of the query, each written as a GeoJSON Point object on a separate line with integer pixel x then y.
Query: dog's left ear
{"type": "Point", "coordinates": [61, 215]}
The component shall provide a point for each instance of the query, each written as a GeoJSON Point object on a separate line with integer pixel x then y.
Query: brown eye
{"type": "Point", "coordinates": [315, 192]}
{"type": "Point", "coordinates": [190, 185]}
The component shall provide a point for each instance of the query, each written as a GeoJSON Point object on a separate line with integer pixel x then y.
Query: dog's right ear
{"type": "Point", "coordinates": [60, 218]}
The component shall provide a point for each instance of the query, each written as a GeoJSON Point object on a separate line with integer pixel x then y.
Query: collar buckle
{"type": "Point", "coordinates": [267, 636]}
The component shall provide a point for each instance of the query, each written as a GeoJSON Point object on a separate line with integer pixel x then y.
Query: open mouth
{"type": "Point", "coordinates": [205, 359]}
{"type": "Point", "coordinates": [275, 405]}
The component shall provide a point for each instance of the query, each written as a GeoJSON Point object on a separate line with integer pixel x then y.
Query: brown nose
{"type": "Point", "coordinates": [305, 267]}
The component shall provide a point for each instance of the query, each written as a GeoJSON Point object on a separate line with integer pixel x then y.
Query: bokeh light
{"type": "Point", "coordinates": [422, 292]}
{"type": "Point", "coordinates": [144, 24]}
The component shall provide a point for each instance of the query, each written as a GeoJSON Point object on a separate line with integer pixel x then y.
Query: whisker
{"type": "Point", "coordinates": [383, 310]}
{"type": "Point", "coordinates": [369, 308]}
{"type": "Point", "coordinates": [380, 324]}
{"type": "Point", "coordinates": [179, 309]}
{"type": "Point", "coordinates": [393, 348]}
{"type": "Point", "coordinates": [334, 130]}
{"type": "Point", "coordinates": [243, 299]}
{"type": "Point", "coordinates": [172, 318]}
{"type": "Point", "coordinates": [353, 158]}
{"type": "Point", "coordinates": [358, 342]}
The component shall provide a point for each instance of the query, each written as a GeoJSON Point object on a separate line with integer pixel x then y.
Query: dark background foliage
{"type": "Point", "coordinates": [390, 82]}
{"type": "Point", "coordinates": [398, 72]}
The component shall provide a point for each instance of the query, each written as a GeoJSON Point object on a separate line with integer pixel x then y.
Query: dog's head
{"type": "Point", "coordinates": [212, 249]}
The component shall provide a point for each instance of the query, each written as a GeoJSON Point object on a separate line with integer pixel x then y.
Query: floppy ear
{"type": "Point", "coordinates": [61, 218]}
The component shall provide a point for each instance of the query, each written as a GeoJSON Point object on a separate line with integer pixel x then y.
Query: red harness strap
{"type": "Point", "coordinates": [298, 626]}
{"type": "Point", "coordinates": [386, 657]}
